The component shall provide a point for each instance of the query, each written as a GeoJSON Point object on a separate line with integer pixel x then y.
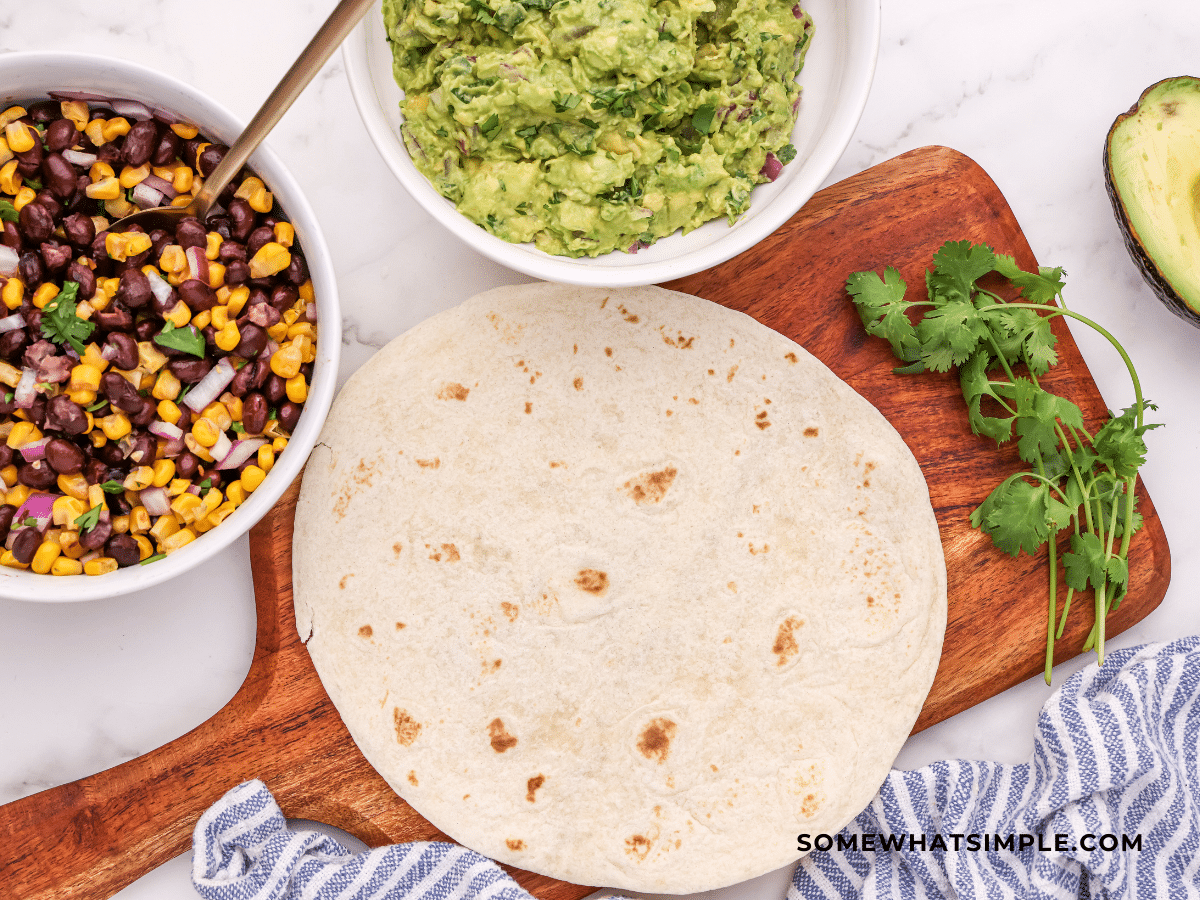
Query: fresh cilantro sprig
{"type": "Point", "coordinates": [1077, 483]}
{"type": "Point", "coordinates": [60, 321]}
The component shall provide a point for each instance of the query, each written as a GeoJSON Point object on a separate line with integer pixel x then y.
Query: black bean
{"type": "Point", "coordinates": [241, 384]}
{"type": "Point", "coordinates": [197, 295]}
{"type": "Point", "coordinates": [37, 475]}
{"type": "Point", "coordinates": [146, 414]}
{"type": "Point", "coordinates": [94, 538]}
{"type": "Point", "coordinates": [29, 163]}
{"type": "Point", "coordinates": [112, 454]}
{"type": "Point", "coordinates": [30, 267]}
{"type": "Point", "coordinates": [289, 415]}
{"type": "Point", "coordinates": [64, 456]}
{"type": "Point", "coordinates": [55, 256]}
{"type": "Point", "coordinates": [6, 456]}
{"type": "Point", "coordinates": [37, 224]}
{"type": "Point", "coordinates": [275, 389]}
{"type": "Point", "coordinates": [254, 413]}
{"type": "Point", "coordinates": [58, 175]}
{"type": "Point", "coordinates": [51, 202]}
{"type": "Point", "coordinates": [134, 291]}
{"type": "Point", "coordinates": [146, 329]}
{"type": "Point", "coordinates": [144, 449]}
{"type": "Point", "coordinates": [65, 415]}
{"type": "Point", "coordinates": [124, 350]}
{"type": "Point", "coordinates": [12, 343]}
{"type": "Point", "coordinates": [60, 135]}
{"type": "Point", "coordinates": [95, 471]}
{"type": "Point", "coordinates": [189, 370]}
{"type": "Point", "coordinates": [191, 233]}
{"type": "Point", "coordinates": [297, 270]}
{"type": "Point", "coordinates": [259, 236]}
{"type": "Point", "coordinates": [120, 392]}
{"type": "Point", "coordinates": [124, 549]}
{"type": "Point", "coordinates": [283, 297]}
{"type": "Point", "coordinates": [7, 512]}
{"type": "Point", "coordinates": [241, 219]}
{"type": "Point", "coordinates": [79, 229]}
{"type": "Point", "coordinates": [84, 277]}
{"type": "Point", "coordinates": [115, 317]}
{"type": "Point", "coordinates": [237, 272]}
{"type": "Point", "coordinates": [167, 149]}
{"type": "Point", "coordinates": [25, 545]}
{"type": "Point", "coordinates": [159, 239]}
{"type": "Point", "coordinates": [140, 142]}
{"type": "Point", "coordinates": [187, 464]}
{"type": "Point", "coordinates": [12, 236]}
{"type": "Point", "coordinates": [210, 157]}
{"type": "Point", "coordinates": [253, 342]}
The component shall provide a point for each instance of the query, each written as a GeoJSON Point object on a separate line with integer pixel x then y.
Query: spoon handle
{"type": "Point", "coordinates": [327, 39]}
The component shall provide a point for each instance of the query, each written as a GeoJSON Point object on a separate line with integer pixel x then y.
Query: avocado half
{"type": "Point", "coordinates": [1152, 171]}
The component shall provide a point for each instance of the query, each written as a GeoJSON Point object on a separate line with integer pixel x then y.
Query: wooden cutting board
{"type": "Point", "coordinates": [94, 836]}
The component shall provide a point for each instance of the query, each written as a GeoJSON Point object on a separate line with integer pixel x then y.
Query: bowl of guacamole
{"type": "Point", "coordinates": [612, 141]}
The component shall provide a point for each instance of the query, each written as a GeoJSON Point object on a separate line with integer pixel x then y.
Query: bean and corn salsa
{"type": "Point", "coordinates": [147, 380]}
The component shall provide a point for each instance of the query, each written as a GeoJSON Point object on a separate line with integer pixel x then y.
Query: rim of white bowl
{"type": "Point", "coordinates": [856, 74]}
{"type": "Point", "coordinates": [28, 74]}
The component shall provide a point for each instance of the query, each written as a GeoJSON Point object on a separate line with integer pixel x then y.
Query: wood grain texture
{"type": "Point", "coordinates": [90, 838]}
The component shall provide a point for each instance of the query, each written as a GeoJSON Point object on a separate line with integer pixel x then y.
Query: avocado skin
{"type": "Point", "coordinates": [1146, 264]}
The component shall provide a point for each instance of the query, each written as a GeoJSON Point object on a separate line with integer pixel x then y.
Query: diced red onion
{"type": "Point", "coordinates": [171, 449]}
{"type": "Point", "coordinates": [155, 500]}
{"type": "Point", "coordinates": [38, 505]}
{"type": "Point", "coordinates": [241, 451]}
{"type": "Point", "coordinates": [165, 430]}
{"type": "Point", "coordinates": [12, 323]}
{"type": "Point", "coordinates": [26, 390]}
{"type": "Point", "coordinates": [269, 350]}
{"type": "Point", "coordinates": [9, 260]}
{"type": "Point", "coordinates": [772, 167]}
{"type": "Point", "coordinates": [159, 286]}
{"type": "Point", "coordinates": [209, 387]}
{"type": "Point", "coordinates": [221, 448]}
{"type": "Point", "coordinates": [146, 197]}
{"type": "Point", "coordinates": [310, 312]}
{"type": "Point", "coordinates": [77, 95]}
{"type": "Point", "coordinates": [109, 352]}
{"type": "Point", "coordinates": [34, 449]}
{"type": "Point", "coordinates": [197, 264]}
{"type": "Point", "coordinates": [161, 185]}
{"type": "Point", "coordinates": [89, 556]}
{"type": "Point", "coordinates": [79, 157]}
{"type": "Point", "coordinates": [194, 490]}
{"type": "Point", "coordinates": [132, 109]}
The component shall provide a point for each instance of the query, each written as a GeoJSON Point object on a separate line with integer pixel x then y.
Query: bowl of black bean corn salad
{"type": "Point", "coordinates": [159, 390]}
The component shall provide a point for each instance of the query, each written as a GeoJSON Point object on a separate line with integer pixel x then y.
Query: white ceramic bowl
{"type": "Point", "coordinates": [836, 78]}
{"type": "Point", "coordinates": [29, 76]}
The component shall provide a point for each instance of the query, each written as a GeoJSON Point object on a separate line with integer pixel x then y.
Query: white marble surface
{"type": "Point", "coordinates": [1027, 88]}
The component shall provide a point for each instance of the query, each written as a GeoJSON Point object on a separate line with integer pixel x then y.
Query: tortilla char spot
{"type": "Point", "coordinates": [532, 785]}
{"type": "Point", "coordinates": [452, 390]}
{"type": "Point", "coordinates": [592, 580]}
{"type": "Point", "coordinates": [344, 579]}
{"type": "Point", "coordinates": [785, 646]}
{"type": "Point", "coordinates": [651, 487]}
{"type": "Point", "coordinates": [400, 625]}
{"type": "Point", "coordinates": [511, 610]}
{"type": "Point", "coordinates": [407, 728]}
{"type": "Point", "coordinates": [608, 351]}
{"type": "Point", "coordinates": [412, 778]}
{"type": "Point", "coordinates": [528, 407]}
{"type": "Point", "coordinates": [429, 463]}
{"type": "Point", "coordinates": [655, 739]}
{"type": "Point", "coordinates": [397, 547]}
{"type": "Point", "coordinates": [791, 357]}
{"type": "Point", "coordinates": [811, 431]}
{"type": "Point", "coordinates": [366, 631]}
{"type": "Point", "coordinates": [638, 845]}
{"type": "Point", "coordinates": [501, 740]}
{"type": "Point", "coordinates": [515, 844]}
{"type": "Point", "coordinates": [732, 372]}
{"type": "Point", "coordinates": [810, 805]}
{"type": "Point", "coordinates": [578, 382]}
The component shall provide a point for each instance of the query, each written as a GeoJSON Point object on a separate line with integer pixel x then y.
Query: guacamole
{"type": "Point", "coordinates": [587, 126]}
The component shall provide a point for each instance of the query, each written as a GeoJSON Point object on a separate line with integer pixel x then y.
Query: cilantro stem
{"type": "Point", "coordinates": [1052, 612]}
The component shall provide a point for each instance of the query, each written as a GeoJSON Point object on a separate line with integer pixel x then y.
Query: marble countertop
{"type": "Point", "coordinates": [1027, 89]}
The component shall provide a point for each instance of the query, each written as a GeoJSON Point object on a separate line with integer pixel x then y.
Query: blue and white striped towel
{"type": "Point", "coordinates": [1115, 758]}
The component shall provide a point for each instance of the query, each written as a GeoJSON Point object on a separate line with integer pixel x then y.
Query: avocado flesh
{"type": "Point", "coordinates": [1153, 174]}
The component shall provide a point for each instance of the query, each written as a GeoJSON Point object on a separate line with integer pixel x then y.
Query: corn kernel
{"type": "Point", "coordinates": [271, 258]}
{"type": "Point", "coordinates": [285, 362]}
{"type": "Point", "coordinates": [17, 495]}
{"type": "Point", "coordinates": [290, 316]}
{"type": "Point", "coordinates": [307, 294]}
{"type": "Point", "coordinates": [119, 207]}
{"type": "Point", "coordinates": [285, 233]}
{"type": "Point", "coordinates": [13, 293]}
{"type": "Point", "coordinates": [252, 477]}
{"type": "Point", "coordinates": [75, 486]}
{"type": "Point", "coordinates": [122, 245]}
{"type": "Point", "coordinates": [44, 557]}
{"type": "Point", "coordinates": [187, 132]}
{"type": "Point", "coordinates": [8, 475]}
{"type": "Point", "coordinates": [234, 405]}
{"type": "Point", "coordinates": [21, 138]}
{"type": "Point", "coordinates": [254, 192]}
{"type": "Point", "coordinates": [266, 457]}
{"type": "Point", "coordinates": [10, 561]}
{"type": "Point", "coordinates": [139, 520]}
{"type": "Point", "coordinates": [44, 294]}
{"type": "Point", "coordinates": [216, 275]}
{"type": "Point", "coordinates": [23, 433]}
{"type": "Point", "coordinates": [168, 411]}
{"type": "Point", "coordinates": [145, 548]}
{"type": "Point", "coordinates": [85, 377]}
{"type": "Point", "coordinates": [98, 438]}
{"type": "Point", "coordinates": [116, 127]}
{"type": "Point", "coordinates": [115, 426]}
{"type": "Point", "coordinates": [278, 332]}
{"type": "Point", "coordinates": [180, 538]}
{"type": "Point", "coordinates": [218, 414]}
{"type": "Point", "coordinates": [183, 179]}
{"type": "Point", "coordinates": [166, 388]}
{"type": "Point", "coordinates": [173, 259]}
{"type": "Point", "coordinates": [64, 565]}
{"type": "Point", "coordinates": [96, 497]}
{"type": "Point", "coordinates": [141, 477]}
{"type": "Point", "coordinates": [120, 524]}
{"type": "Point", "coordinates": [75, 110]}
{"type": "Point", "coordinates": [164, 526]}
{"type": "Point", "coordinates": [179, 315]}
{"type": "Point", "coordinates": [205, 432]}
{"type": "Point", "coordinates": [25, 196]}
{"type": "Point", "coordinates": [178, 486]}
{"type": "Point", "coordinates": [219, 317]}
{"type": "Point", "coordinates": [164, 472]}
{"type": "Point", "coordinates": [279, 444]}
{"type": "Point", "coordinates": [228, 337]}
{"type": "Point", "coordinates": [235, 494]}
{"type": "Point", "coordinates": [219, 515]}
{"type": "Point", "coordinates": [212, 247]}
{"type": "Point", "coordinates": [12, 114]}
{"type": "Point", "coordinates": [237, 300]}
{"type": "Point", "coordinates": [185, 506]}
{"type": "Point", "coordinates": [67, 509]}
{"type": "Point", "coordinates": [131, 176]}
{"type": "Point", "coordinates": [108, 189]}
{"type": "Point", "coordinates": [196, 448]}
{"type": "Point", "coordinates": [10, 181]}
{"type": "Point", "coordinates": [202, 319]}
{"type": "Point", "coordinates": [101, 565]}
{"type": "Point", "coordinates": [297, 388]}
{"type": "Point", "coordinates": [150, 357]}
{"type": "Point", "coordinates": [307, 329]}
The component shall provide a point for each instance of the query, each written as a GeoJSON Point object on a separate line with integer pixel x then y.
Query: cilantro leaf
{"type": "Point", "coordinates": [187, 339]}
{"type": "Point", "coordinates": [113, 487]}
{"type": "Point", "coordinates": [60, 321]}
{"type": "Point", "coordinates": [1085, 562]}
{"type": "Point", "coordinates": [8, 212]}
{"type": "Point", "coordinates": [90, 519]}
{"type": "Point", "coordinates": [957, 266]}
{"type": "Point", "coordinates": [949, 334]}
{"type": "Point", "coordinates": [883, 310]}
{"type": "Point", "coordinates": [702, 118]}
{"type": "Point", "coordinates": [786, 154]}
{"type": "Point", "coordinates": [1017, 515]}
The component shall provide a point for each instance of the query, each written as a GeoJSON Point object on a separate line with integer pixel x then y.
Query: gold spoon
{"type": "Point", "coordinates": [330, 35]}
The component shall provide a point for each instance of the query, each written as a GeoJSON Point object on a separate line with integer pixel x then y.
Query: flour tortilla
{"type": "Point", "coordinates": [618, 586]}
